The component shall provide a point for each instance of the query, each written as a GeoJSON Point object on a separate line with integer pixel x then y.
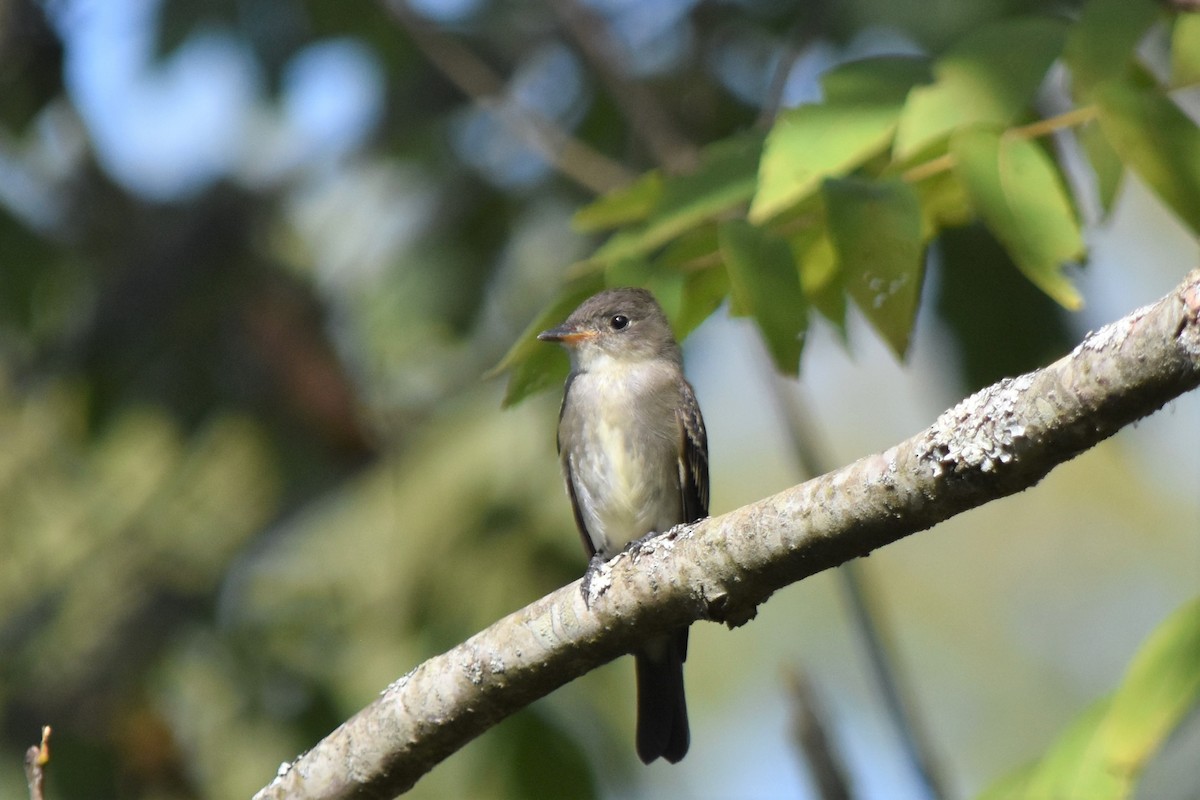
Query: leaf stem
{"type": "Point", "coordinates": [1043, 127]}
{"type": "Point", "coordinates": [928, 169]}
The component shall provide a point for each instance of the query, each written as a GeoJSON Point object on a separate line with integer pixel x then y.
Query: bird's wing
{"type": "Point", "coordinates": [562, 409]}
{"type": "Point", "coordinates": [588, 547]}
{"type": "Point", "coordinates": [693, 456]}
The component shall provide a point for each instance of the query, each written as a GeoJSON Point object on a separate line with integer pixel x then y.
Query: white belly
{"type": "Point", "coordinates": [626, 478]}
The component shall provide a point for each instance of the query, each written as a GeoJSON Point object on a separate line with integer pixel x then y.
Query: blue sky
{"type": "Point", "coordinates": [169, 129]}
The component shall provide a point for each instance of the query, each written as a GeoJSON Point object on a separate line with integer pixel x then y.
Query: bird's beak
{"type": "Point", "coordinates": [566, 335]}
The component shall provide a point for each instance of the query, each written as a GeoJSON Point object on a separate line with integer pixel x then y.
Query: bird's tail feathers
{"type": "Point", "coordinates": [662, 724]}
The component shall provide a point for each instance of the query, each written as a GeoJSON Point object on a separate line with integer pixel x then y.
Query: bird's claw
{"type": "Point", "coordinates": [593, 587]}
{"type": "Point", "coordinates": [637, 544]}
{"type": "Point", "coordinates": [589, 574]}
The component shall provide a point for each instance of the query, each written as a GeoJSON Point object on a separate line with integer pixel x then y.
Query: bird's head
{"type": "Point", "coordinates": [617, 325]}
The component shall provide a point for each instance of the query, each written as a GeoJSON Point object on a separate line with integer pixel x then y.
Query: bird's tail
{"type": "Point", "coordinates": [662, 724]}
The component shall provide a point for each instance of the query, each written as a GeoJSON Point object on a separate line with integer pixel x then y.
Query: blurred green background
{"type": "Point", "coordinates": [256, 257]}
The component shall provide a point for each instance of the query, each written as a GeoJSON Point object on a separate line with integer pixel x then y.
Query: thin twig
{"type": "Point", "coordinates": [927, 169]}
{"type": "Point", "coordinates": [1044, 127]}
{"type": "Point", "coordinates": [1034, 130]}
{"type": "Point", "coordinates": [36, 759]}
{"type": "Point", "coordinates": [779, 78]}
{"type": "Point", "coordinates": [573, 158]}
{"type": "Point", "coordinates": [810, 730]}
{"type": "Point", "coordinates": [668, 146]}
{"type": "Point", "coordinates": [871, 624]}
{"type": "Point", "coordinates": [803, 33]}
{"type": "Point", "coordinates": [866, 616]}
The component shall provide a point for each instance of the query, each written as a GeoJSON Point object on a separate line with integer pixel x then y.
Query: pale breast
{"type": "Point", "coordinates": [624, 466]}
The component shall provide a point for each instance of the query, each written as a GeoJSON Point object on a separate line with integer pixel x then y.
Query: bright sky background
{"type": "Point", "coordinates": [169, 130]}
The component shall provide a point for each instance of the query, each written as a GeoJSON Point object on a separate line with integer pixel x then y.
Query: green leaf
{"type": "Point", "coordinates": [1101, 44]}
{"type": "Point", "coordinates": [875, 227]}
{"type": "Point", "coordinates": [989, 77]}
{"type": "Point", "coordinates": [1057, 768]}
{"type": "Point", "coordinates": [1161, 687]}
{"type": "Point", "coordinates": [820, 279]}
{"type": "Point", "coordinates": [979, 288]}
{"type": "Point", "coordinates": [1106, 164]}
{"type": "Point", "coordinates": [885, 80]}
{"type": "Point", "coordinates": [1069, 769]}
{"type": "Point", "coordinates": [726, 178]}
{"type": "Point", "coordinates": [811, 143]}
{"type": "Point", "coordinates": [695, 249]}
{"type": "Point", "coordinates": [535, 365]}
{"type": "Point", "coordinates": [1014, 786]}
{"type": "Point", "coordinates": [1020, 195]}
{"type": "Point", "coordinates": [1185, 50]}
{"type": "Point", "coordinates": [1102, 754]}
{"type": "Point", "coordinates": [764, 281]}
{"type": "Point", "coordinates": [621, 206]}
{"type": "Point", "coordinates": [855, 123]}
{"type": "Point", "coordinates": [945, 203]}
{"type": "Point", "coordinates": [1157, 140]}
{"type": "Point", "coordinates": [703, 292]}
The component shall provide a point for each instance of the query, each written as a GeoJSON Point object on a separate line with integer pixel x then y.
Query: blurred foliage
{"type": "Point", "coordinates": [248, 472]}
{"type": "Point", "coordinates": [1028, 317]}
{"type": "Point", "coordinates": [1104, 752]}
{"type": "Point", "coordinates": [963, 124]}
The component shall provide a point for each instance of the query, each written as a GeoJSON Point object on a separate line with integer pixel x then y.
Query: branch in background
{"type": "Point", "coordinates": [573, 158]}
{"type": "Point", "coordinates": [36, 759]}
{"type": "Point", "coordinates": [810, 730]}
{"type": "Point", "coordinates": [804, 33]}
{"type": "Point", "coordinates": [872, 626]}
{"type": "Point", "coordinates": [649, 122]}
{"type": "Point", "coordinates": [997, 442]}
{"type": "Point", "coordinates": [866, 615]}
{"type": "Point", "coordinates": [779, 79]}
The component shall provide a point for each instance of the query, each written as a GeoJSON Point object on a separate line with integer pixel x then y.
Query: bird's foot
{"type": "Point", "coordinates": [636, 544]}
{"type": "Point", "coordinates": [590, 577]}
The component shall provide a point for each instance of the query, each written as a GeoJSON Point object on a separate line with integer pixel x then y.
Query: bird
{"type": "Point", "coordinates": [634, 455]}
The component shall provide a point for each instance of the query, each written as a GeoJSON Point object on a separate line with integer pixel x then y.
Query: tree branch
{"type": "Point", "coordinates": [810, 732]}
{"type": "Point", "coordinates": [996, 442]}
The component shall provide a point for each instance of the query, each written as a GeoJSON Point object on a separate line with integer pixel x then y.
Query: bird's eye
{"type": "Point", "coordinates": [619, 321]}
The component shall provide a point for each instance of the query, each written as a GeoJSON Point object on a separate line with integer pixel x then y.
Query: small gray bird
{"type": "Point", "coordinates": [635, 458]}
